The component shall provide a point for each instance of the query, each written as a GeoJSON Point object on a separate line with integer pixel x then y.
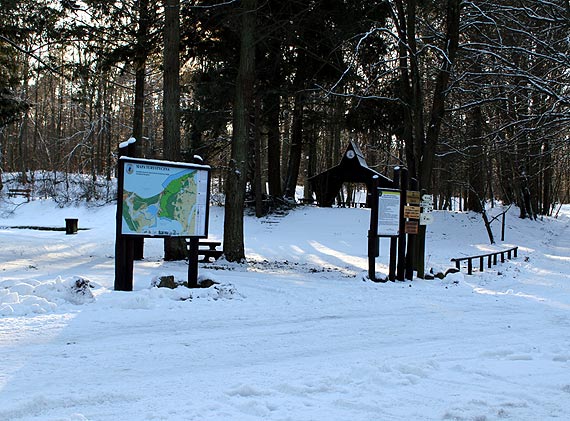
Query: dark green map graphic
{"type": "Point", "coordinates": [163, 201]}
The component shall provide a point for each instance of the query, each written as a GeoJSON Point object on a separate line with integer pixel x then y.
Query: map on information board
{"type": "Point", "coordinates": [164, 199]}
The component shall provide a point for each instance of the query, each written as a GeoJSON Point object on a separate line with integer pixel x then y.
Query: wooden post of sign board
{"type": "Point", "coordinates": [124, 246]}
{"type": "Point", "coordinates": [137, 243]}
{"type": "Point", "coordinates": [373, 246]}
{"type": "Point", "coordinates": [421, 248]}
{"type": "Point", "coordinates": [394, 240]}
{"type": "Point", "coordinates": [409, 275]}
{"type": "Point", "coordinates": [401, 265]}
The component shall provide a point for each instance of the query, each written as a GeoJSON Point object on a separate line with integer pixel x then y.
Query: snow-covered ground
{"type": "Point", "coordinates": [298, 333]}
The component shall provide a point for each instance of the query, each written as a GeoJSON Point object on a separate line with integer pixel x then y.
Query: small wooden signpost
{"type": "Point", "coordinates": [411, 212]}
{"type": "Point", "coordinates": [412, 227]}
{"type": "Point", "coordinates": [413, 197]}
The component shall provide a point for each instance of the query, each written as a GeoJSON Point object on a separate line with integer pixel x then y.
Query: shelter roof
{"type": "Point", "coordinates": [352, 168]}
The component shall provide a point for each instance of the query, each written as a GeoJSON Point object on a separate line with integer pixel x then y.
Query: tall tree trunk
{"type": "Point", "coordinates": [337, 115]}
{"type": "Point", "coordinates": [234, 249]}
{"type": "Point", "coordinates": [107, 130]}
{"type": "Point", "coordinates": [296, 150]}
{"type": "Point", "coordinates": [171, 100]}
{"type": "Point", "coordinates": [140, 61]}
{"type": "Point", "coordinates": [271, 111]}
{"type": "Point", "coordinates": [404, 19]}
{"type": "Point", "coordinates": [440, 93]}
{"type": "Point", "coordinates": [174, 248]}
{"type": "Point", "coordinates": [547, 176]}
{"type": "Point", "coordinates": [476, 167]}
{"type": "Point", "coordinates": [420, 142]}
{"type": "Point", "coordinates": [272, 108]}
{"type": "Point", "coordinates": [258, 163]}
{"type": "Point", "coordinates": [296, 147]}
{"type": "Point", "coordinates": [138, 114]}
{"type": "Point", "coordinates": [311, 165]}
{"type": "Point", "coordinates": [23, 134]}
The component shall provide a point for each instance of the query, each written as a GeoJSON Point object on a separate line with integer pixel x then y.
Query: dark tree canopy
{"type": "Point", "coordinates": [472, 97]}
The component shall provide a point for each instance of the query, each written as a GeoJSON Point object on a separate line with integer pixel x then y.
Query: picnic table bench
{"type": "Point", "coordinates": [207, 249]}
{"type": "Point", "coordinates": [20, 192]}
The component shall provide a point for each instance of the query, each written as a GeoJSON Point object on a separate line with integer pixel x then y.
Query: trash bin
{"type": "Point", "coordinates": [71, 225]}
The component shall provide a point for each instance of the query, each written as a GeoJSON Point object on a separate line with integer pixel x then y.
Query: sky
{"type": "Point", "coordinates": [296, 333]}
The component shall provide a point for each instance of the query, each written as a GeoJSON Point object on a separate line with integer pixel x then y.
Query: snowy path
{"type": "Point", "coordinates": [559, 249]}
{"type": "Point", "coordinates": [390, 353]}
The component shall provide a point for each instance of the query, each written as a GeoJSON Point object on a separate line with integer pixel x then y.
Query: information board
{"type": "Point", "coordinates": [388, 213]}
{"type": "Point", "coordinates": [164, 199]}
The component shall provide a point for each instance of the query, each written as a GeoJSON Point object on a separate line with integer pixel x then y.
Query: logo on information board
{"type": "Point", "coordinates": [130, 168]}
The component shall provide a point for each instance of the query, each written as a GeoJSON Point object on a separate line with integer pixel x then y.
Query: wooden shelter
{"type": "Point", "coordinates": [351, 169]}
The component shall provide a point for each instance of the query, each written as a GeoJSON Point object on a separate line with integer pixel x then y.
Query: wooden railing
{"type": "Point", "coordinates": [491, 257]}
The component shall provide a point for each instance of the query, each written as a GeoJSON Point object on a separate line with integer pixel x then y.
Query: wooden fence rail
{"type": "Point", "coordinates": [491, 257]}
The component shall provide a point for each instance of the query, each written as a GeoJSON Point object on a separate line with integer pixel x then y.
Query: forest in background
{"type": "Point", "coordinates": [473, 97]}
